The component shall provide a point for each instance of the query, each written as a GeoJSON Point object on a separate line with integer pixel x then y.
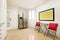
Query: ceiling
{"type": "Point", "coordinates": [27, 4]}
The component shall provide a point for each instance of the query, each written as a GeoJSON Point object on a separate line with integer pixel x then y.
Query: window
{"type": "Point", "coordinates": [31, 14]}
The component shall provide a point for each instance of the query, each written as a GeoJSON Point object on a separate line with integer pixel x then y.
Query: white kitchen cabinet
{"type": "Point", "coordinates": [3, 19]}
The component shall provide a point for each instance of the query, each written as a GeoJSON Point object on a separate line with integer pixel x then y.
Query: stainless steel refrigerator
{"type": "Point", "coordinates": [22, 22]}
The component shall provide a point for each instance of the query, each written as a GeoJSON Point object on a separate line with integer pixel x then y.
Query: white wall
{"type": "Point", "coordinates": [31, 19]}
{"type": "Point", "coordinates": [23, 11]}
{"type": "Point", "coordinates": [51, 4]}
{"type": "Point", "coordinates": [13, 11]}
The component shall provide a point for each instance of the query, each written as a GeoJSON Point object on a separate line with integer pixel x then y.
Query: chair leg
{"type": "Point", "coordinates": [35, 27]}
{"type": "Point", "coordinates": [54, 36]}
{"type": "Point", "coordinates": [38, 29]}
{"type": "Point", "coordinates": [47, 32]}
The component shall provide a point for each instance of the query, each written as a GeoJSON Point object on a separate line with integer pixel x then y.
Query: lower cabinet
{"type": "Point", "coordinates": [3, 32]}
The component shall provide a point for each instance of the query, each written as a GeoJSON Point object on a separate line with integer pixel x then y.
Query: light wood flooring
{"type": "Point", "coordinates": [27, 34]}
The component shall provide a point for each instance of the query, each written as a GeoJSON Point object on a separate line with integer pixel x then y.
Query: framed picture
{"type": "Point", "coordinates": [47, 15]}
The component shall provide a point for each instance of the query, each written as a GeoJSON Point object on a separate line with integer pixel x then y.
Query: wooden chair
{"type": "Point", "coordinates": [52, 27]}
{"type": "Point", "coordinates": [37, 26]}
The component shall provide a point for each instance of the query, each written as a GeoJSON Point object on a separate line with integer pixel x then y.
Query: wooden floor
{"type": "Point", "coordinates": [27, 34]}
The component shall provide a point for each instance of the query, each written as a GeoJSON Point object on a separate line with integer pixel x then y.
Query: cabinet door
{"type": "Point", "coordinates": [3, 19]}
{"type": "Point", "coordinates": [25, 23]}
{"type": "Point", "coordinates": [21, 23]}
{"type": "Point", "coordinates": [25, 18]}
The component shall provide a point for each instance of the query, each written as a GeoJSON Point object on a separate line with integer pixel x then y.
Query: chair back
{"type": "Point", "coordinates": [37, 23]}
{"type": "Point", "coordinates": [53, 26]}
